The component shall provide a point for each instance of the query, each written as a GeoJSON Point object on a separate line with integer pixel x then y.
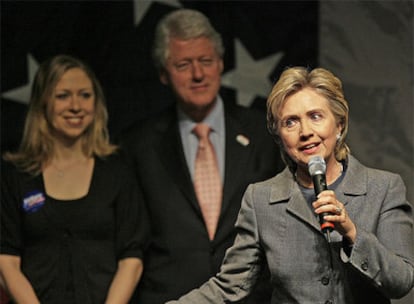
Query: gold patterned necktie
{"type": "Point", "coordinates": [207, 180]}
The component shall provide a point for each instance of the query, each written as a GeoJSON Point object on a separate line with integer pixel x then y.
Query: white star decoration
{"type": "Point", "coordinates": [22, 94]}
{"type": "Point", "coordinates": [142, 6]}
{"type": "Point", "coordinates": [250, 77]}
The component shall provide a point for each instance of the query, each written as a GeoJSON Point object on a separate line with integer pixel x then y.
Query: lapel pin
{"type": "Point", "coordinates": [243, 140]}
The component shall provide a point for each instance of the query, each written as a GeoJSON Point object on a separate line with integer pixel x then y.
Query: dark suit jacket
{"type": "Point", "coordinates": [180, 256]}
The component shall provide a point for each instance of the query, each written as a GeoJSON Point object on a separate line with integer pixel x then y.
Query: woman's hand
{"type": "Point", "coordinates": [328, 203]}
{"type": "Point", "coordinates": [17, 285]}
{"type": "Point", "coordinates": [125, 280]}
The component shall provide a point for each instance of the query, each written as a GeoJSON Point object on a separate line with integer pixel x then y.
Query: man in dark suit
{"type": "Point", "coordinates": [183, 253]}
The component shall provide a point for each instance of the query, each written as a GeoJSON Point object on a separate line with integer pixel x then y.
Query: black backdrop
{"type": "Point", "coordinates": [115, 38]}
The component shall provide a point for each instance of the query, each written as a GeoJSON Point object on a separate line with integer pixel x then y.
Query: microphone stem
{"type": "Point", "coordinates": [328, 235]}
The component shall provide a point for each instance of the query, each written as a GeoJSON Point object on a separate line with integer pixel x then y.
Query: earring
{"type": "Point", "coordinates": [338, 136]}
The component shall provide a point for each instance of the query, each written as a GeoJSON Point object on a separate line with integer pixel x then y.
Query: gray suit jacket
{"type": "Point", "coordinates": [276, 223]}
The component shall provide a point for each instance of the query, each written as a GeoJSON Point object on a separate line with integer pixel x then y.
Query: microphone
{"type": "Point", "coordinates": [317, 169]}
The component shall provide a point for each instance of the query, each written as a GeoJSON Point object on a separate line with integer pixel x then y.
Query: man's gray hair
{"type": "Point", "coordinates": [183, 24]}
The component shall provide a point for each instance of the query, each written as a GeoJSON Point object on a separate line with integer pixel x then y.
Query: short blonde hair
{"type": "Point", "coordinates": [326, 84]}
{"type": "Point", "coordinates": [37, 145]}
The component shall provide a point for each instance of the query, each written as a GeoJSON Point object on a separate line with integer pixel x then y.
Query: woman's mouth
{"type": "Point", "coordinates": [311, 148]}
{"type": "Point", "coordinates": [74, 121]}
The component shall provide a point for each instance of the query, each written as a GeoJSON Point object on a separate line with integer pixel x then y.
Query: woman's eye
{"type": "Point", "coordinates": [289, 123]}
{"type": "Point", "coordinates": [62, 96]}
{"type": "Point", "coordinates": [316, 116]}
{"type": "Point", "coordinates": [86, 95]}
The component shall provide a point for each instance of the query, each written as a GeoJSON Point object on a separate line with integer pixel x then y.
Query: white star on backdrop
{"type": "Point", "coordinates": [250, 77]}
{"type": "Point", "coordinates": [22, 94]}
{"type": "Point", "coordinates": [142, 6]}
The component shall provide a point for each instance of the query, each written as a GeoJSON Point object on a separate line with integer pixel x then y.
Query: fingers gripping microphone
{"type": "Point", "coordinates": [317, 169]}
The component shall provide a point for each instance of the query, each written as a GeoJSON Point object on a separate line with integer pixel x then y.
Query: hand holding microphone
{"type": "Point", "coordinates": [317, 170]}
{"type": "Point", "coordinates": [340, 220]}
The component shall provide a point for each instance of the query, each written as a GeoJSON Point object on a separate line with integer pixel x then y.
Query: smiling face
{"type": "Point", "coordinates": [308, 127]}
{"type": "Point", "coordinates": [73, 105]}
{"type": "Point", "coordinates": [193, 70]}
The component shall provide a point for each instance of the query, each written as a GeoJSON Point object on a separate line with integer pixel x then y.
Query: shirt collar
{"type": "Point", "coordinates": [215, 119]}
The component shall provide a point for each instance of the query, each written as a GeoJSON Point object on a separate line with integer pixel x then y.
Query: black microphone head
{"type": "Point", "coordinates": [316, 165]}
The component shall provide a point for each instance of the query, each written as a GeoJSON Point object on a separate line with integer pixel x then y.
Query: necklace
{"type": "Point", "coordinates": [61, 172]}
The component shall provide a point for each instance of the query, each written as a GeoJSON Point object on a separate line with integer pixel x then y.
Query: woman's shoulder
{"type": "Point", "coordinates": [283, 177]}
{"type": "Point", "coordinates": [16, 180]}
{"type": "Point", "coordinates": [10, 169]}
{"type": "Point", "coordinates": [278, 187]}
{"type": "Point", "coordinates": [114, 164]}
{"type": "Point", "coordinates": [372, 173]}
{"type": "Point", "coordinates": [363, 179]}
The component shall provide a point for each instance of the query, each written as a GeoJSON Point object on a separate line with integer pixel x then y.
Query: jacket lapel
{"type": "Point", "coordinates": [286, 190]}
{"type": "Point", "coordinates": [238, 151]}
{"type": "Point", "coordinates": [354, 184]}
{"type": "Point", "coordinates": [172, 156]}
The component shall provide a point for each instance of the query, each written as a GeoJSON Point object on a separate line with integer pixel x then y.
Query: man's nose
{"type": "Point", "coordinates": [197, 70]}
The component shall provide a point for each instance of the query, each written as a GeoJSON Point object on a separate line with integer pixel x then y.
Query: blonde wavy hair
{"type": "Point", "coordinates": [326, 84]}
{"type": "Point", "coordinates": [37, 144]}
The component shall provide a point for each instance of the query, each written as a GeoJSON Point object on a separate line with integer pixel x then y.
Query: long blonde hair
{"type": "Point", "coordinates": [37, 144]}
{"type": "Point", "coordinates": [322, 81]}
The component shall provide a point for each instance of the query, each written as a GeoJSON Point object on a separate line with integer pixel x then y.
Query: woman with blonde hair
{"type": "Point", "coordinates": [72, 226]}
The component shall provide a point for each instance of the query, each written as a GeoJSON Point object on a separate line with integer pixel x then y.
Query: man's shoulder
{"type": "Point", "coordinates": [251, 113]}
{"type": "Point", "coordinates": [156, 122]}
{"type": "Point", "coordinates": [252, 121]}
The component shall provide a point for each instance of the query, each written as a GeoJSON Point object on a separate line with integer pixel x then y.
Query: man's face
{"type": "Point", "coordinates": [193, 70]}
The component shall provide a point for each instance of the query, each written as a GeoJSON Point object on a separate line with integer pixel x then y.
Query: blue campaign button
{"type": "Point", "coordinates": [33, 201]}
